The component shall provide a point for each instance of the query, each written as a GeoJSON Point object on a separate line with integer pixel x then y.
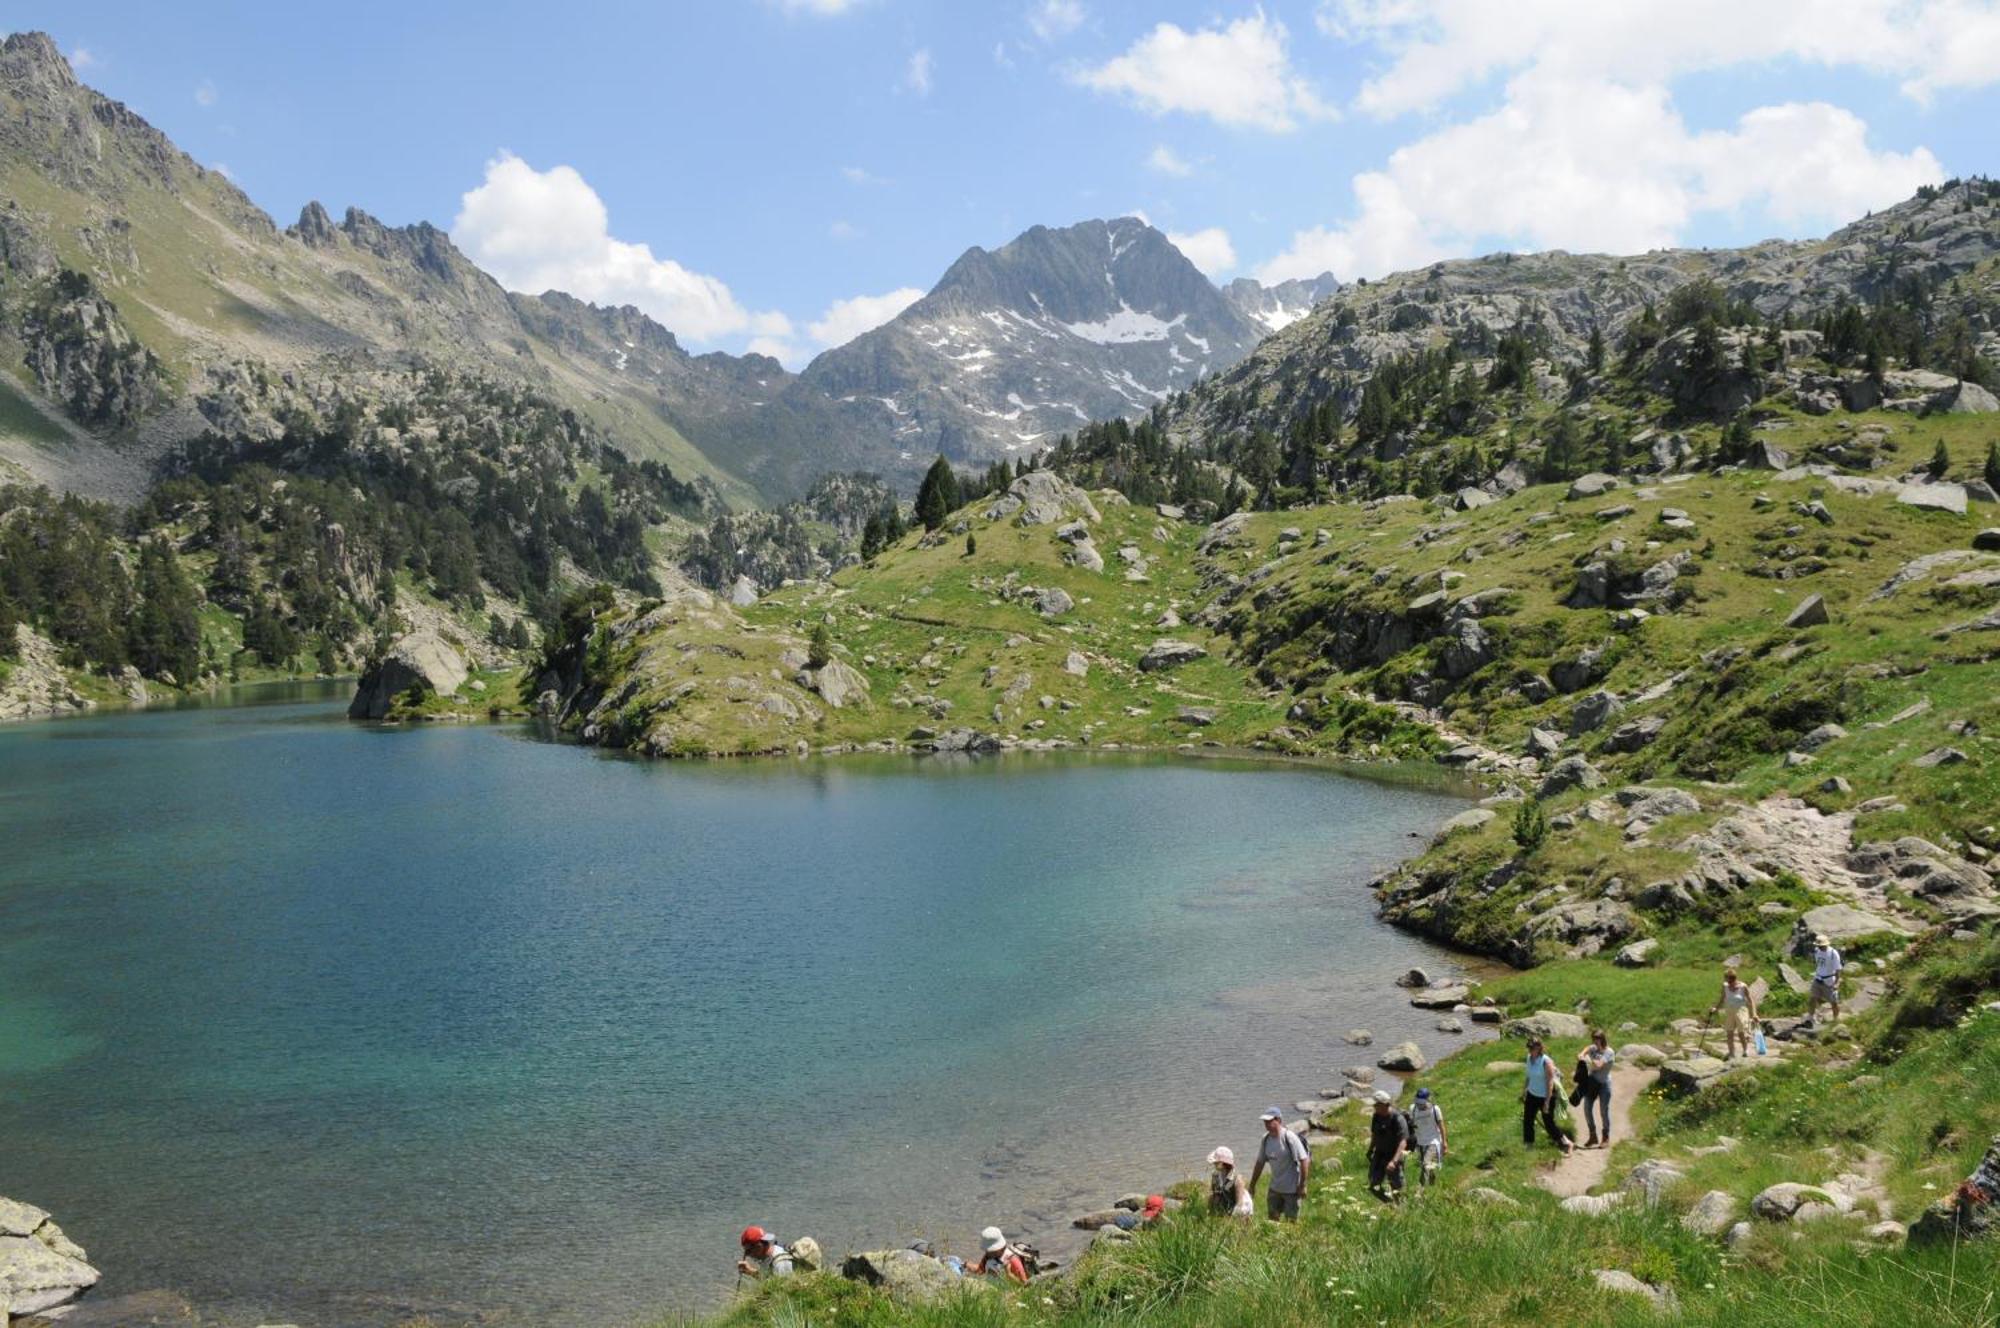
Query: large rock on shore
{"type": "Point", "coordinates": [40, 1268]}
{"type": "Point", "coordinates": [423, 661]}
{"type": "Point", "coordinates": [1548, 1025]}
{"type": "Point", "coordinates": [1167, 654]}
{"type": "Point", "coordinates": [906, 1275]}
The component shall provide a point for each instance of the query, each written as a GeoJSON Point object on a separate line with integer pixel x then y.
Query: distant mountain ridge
{"type": "Point", "coordinates": [1017, 345]}
{"type": "Point", "coordinates": [201, 313]}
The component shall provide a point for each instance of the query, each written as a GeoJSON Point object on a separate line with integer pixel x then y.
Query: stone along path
{"type": "Point", "coordinates": [1584, 1168]}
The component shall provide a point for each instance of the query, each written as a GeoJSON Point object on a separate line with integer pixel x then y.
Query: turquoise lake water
{"type": "Point", "coordinates": [326, 1024]}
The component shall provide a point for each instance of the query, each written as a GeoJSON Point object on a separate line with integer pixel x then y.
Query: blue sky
{"type": "Point", "coordinates": [784, 173]}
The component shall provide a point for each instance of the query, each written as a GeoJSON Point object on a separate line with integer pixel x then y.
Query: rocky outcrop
{"type": "Point", "coordinates": [35, 684]}
{"type": "Point", "coordinates": [417, 665]}
{"type": "Point", "coordinates": [1971, 1210]}
{"type": "Point", "coordinates": [41, 1269]}
{"type": "Point", "coordinates": [83, 356]}
{"type": "Point", "coordinates": [1581, 927]}
{"type": "Point", "coordinates": [837, 683]}
{"type": "Point", "coordinates": [1167, 654]}
{"type": "Point", "coordinates": [1041, 498]}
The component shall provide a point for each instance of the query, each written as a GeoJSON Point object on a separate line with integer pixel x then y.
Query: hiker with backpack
{"type": "Point", "coordinates": [1538, 1097]}
{"type": "Point", "coordinates": [1227, 1194]}
{"type": "Point", "coordinates": [763, 1256]}
{"type": "Point", "coordinates": [1388, 1142]}
{"type": "Point", "coordinates": [1427, 1137]}
{"type": "Point", "coordinates": [1595, 1080]}
{"type": "Point", "coordinates": [1002, 1258]}
{"type": "Point", "coordinates": [1290, 1162]}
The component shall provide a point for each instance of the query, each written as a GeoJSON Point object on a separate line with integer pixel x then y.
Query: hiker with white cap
{"type": "Point", "coordinates": [1290, 1161]}
{"type": "Point", "coordinates": [1825, 981]}
{"type": "Point", "coordinates": [1388, 1141]}
{"type": "Point", "coordinates": [1000, 1258]}
{"type": "Point", "coordinates": [1227, 1194]}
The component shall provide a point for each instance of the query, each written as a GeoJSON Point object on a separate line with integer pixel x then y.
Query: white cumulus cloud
{"type": "Point", "coordinates": [82, 58]}
{"type": "Point", "coordinates": [1051, 20]}
{"type": "Point", "coordinates": [1237, 74]}
{"type": "Point", "coordinates": [820, 8]}
{"type": "Point", "coordinates": [548, 230]}
{"type": "Point", "coordinates": [917, 74]}
{"type": "Point", "coordinates": [1168, 162]}
{"type": "Point", "coordinates": [1581, 143]}
{"type": "Point", "coordinates": [1209, 250]}
{"type": "Point", "coordinates": [847, 319]}
{"type": "Point", "coordinates": [1438, 48]}
{"type": "Point", "coordinates": [205, 93]}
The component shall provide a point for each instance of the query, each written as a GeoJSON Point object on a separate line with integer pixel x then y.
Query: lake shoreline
{"type": "Point", "coordinates": [1332, 1018]}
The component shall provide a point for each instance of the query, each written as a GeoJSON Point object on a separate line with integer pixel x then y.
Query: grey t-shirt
{"type": "Point", "coordinates": [1284, 1153]}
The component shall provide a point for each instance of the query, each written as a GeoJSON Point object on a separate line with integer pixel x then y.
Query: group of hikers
{"type": "Point", "coordinates": [1394, 1135]}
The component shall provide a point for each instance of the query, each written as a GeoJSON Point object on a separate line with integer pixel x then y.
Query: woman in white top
{"type": "Point", "coordinates": [1739, 1014]}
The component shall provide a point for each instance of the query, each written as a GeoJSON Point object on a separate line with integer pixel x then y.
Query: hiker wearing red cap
{"type": "Point", "coordinates": [763, 1256]}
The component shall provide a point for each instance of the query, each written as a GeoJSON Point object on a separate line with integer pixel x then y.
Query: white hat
{"type": "Point", "coordinates": [1382, 1098]}
{"type": "Point", "coordinates": [994, 1239]}
{"type": "Point", "coordinates": [1821, 941]}
{"type": "Point", "coordinates": [1222, 1157]}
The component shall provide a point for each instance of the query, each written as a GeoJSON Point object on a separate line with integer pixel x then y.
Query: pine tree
{"type": "Point", "coordinates": [1595, 357]}
{"type": "Point", "coordinates": [1993, 464]}
{"type": "Point", "coordinates": [1940, 461]}
{"type": "Point", "coordinates": [1531, 825]}
{"type": "Point", "coordinates": [971, 544]}
{"type": "Point", "coordinates": [164, 637]}
{"type": "Point", "coordinates": [937, 495]}
{"type": "Point", "coordinates": [819, 647]}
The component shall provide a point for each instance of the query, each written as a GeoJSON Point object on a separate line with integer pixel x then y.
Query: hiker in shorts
{"type": "Point", "coordinates": [1427, 1137]}
{"type": "Point", "coordinates": [1227, 1194]}
{"type": "Point", "coordinates": [1538, 1097]}
{"type": "Point", "coordinates": [1388, 1142]}
{"type": "Point", "coordinates": [1738, 1005]}
{"type": "Point", "coordinates": [1000, 1258]}
{"type": "Point", "coordinates": [1290, 1161]}
{"type": "Point", "coordinates": [1598, 1058]}
{"type": "Point", "coordinates": [1827, 965]}
{"type": "Point", "coordinates": [763, 1256]}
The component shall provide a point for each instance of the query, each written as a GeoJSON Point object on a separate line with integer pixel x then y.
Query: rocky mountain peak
{"type": "Point", "coordinates": [315, 227]}
{"type": "Point", "coordinates": [34, 57]}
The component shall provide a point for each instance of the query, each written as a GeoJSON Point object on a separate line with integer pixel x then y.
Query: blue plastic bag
{"type": "Point", "coordinates": [1760, 1042]}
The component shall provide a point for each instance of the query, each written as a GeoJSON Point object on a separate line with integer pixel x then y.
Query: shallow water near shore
{"type": "Point", "coordinates": [329, 1024]}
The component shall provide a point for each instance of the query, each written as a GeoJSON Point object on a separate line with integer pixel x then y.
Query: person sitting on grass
{"type": "Point", "coordinates": [1000, 1258]}
{"type": "Point", "coordinates": [1427, 1137]}
{"type": "Point", "coordinates": [1538, 1098]}
{"type": "Point", "coordinates": [1290, 1162]}
{"type": "Point", "coordinates": [1598, 1058]}
{"type": "Point", "coordinates": [1388, 1141]}
{"type": "Point", "coordinates": [763, 1256]}
{"type": "Point", "coordinates": [1827, 966]}
{"type": "Point", "coordinates": [1227, 1194]}
{"type": "Point", "coordinates": [1739, 1014]}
